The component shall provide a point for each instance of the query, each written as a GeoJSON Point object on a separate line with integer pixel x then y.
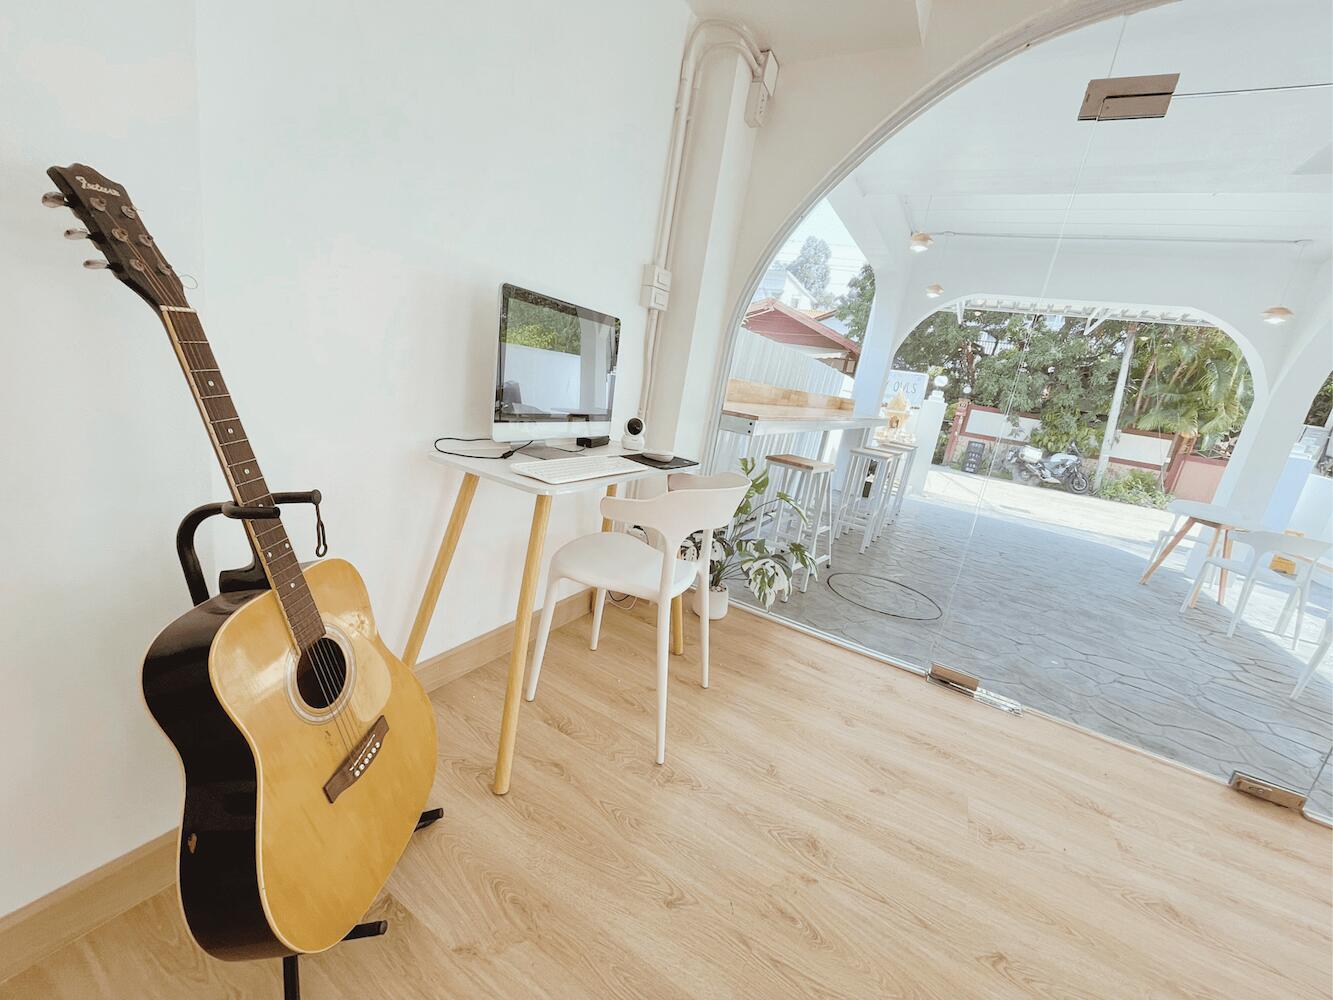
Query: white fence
{"type": "Point", "coordinates": [759, 359]}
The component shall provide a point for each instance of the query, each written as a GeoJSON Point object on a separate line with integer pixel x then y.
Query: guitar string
{"type": "Point", "coordinates": [322, 664]}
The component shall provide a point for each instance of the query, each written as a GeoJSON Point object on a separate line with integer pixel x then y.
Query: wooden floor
{"type": "Point", "coordinates": [825, 826]}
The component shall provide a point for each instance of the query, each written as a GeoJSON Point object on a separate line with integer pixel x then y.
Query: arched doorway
{"type": "Point", "coordinates": [1075, 250]}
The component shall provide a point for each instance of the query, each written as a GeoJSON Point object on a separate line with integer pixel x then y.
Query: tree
{"type": "Point", "coordinates": [1193, 383]}
{"type": "Point", "coordinates": [1317, 415]}
{"type": "Point", "coordinates": [1061, 374]}
{"type": "Point", "coordinates": [810, 267]}
{"type": "Point", "coordinates": [854, 307]}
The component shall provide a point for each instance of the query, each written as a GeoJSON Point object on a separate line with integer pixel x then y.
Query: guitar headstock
{"type": "Point", "coordinates": [113, 223]}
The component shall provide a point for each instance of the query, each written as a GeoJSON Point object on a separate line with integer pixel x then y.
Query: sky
{"type": "Point", "coordinates": [824, 223]}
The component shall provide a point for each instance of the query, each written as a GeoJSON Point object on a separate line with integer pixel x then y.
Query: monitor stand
{"type": "Point", "coordinates": [545, 451]}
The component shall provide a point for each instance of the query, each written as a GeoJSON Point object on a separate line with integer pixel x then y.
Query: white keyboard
{"type": "Point", "coordinates": [570, 470]}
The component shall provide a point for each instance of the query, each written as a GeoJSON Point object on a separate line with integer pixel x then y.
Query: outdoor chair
{"type": "Point", "coordinates": [1254, 568]}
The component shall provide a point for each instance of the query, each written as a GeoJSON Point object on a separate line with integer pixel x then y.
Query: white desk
{"type": "Point", "coordinates": [498, 471]}
{"type": "Point", "coordinates": [756, 420]}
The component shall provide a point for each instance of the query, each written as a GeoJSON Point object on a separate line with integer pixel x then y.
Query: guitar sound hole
{"type": "Point", "coordinates": [321, 673]}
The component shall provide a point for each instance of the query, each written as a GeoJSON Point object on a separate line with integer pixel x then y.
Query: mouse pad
{"type": "Point", "coordinates": [675, 463]}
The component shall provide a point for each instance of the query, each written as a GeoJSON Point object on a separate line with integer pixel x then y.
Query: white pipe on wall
{"type": "Point", "coordinates": [686, 92]}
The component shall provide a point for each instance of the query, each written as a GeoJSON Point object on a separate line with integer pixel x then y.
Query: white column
{"type": "Point", "coordinates": [929, 422]}
{"type": "Point", "coordinates": [1113, 418]}
{"type": "Point", "coordinates": [716, 172]}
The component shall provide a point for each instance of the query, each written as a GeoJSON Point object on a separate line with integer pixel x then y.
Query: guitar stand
{"type": "Point", "coordinates": [291, 964]}
{"type": "Point", "coordinates": [252, 578]}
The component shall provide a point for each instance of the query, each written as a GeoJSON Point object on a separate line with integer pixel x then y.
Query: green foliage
{"type": "Point", "coordinates": [533, 326]}
{"type": "Point", "coordinates": [1138, 487]}
{"type": "Point", "coordinates": [1191, 382]}
{"type": "Point", "coordinates": [1320, 406]}
{"type": "Point", "coordinates": [854, 307]}
{"type": "Point", "coordinates": [739, 555]}
{"type": "Point", "coordinates": [1188, 381]}
{"type": "Point", "coordinates": [810, 267]}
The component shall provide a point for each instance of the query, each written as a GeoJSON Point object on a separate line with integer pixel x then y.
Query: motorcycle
{"type": "Point", "coordinates": [1063, 468]}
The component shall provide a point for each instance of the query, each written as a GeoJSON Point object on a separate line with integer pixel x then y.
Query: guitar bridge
{"type": "Point", "coordinates": [357, 762]}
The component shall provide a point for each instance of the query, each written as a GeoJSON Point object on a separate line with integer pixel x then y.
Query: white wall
{"type": "Point", "coordinates": [397, 168]}
{"type": "Point", "coordinates": [371, 174]}
{"type": "Point", "coordinates": [103, 451]}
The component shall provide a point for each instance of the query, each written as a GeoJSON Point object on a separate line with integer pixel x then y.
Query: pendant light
{"type": "Point", "coordinates": [1277, 315]}
{"type": "Point", "coordinates": [921, 240]}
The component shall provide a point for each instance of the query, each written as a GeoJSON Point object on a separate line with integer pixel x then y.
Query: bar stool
{"type": "Point", "coordinates": [859, 509]}
{"type": "Point", "coordinates": [809, 482]}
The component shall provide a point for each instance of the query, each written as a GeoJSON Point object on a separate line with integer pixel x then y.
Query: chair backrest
{"type": "Point", "coordinates": [691, 503]}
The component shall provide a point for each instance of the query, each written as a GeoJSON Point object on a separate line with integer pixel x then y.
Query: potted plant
{"type": "Point", "coordinates": [740, 554]}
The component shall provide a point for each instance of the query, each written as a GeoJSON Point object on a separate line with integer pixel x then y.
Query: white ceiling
{"type": "Point", "coordinates": [1004, 153]}
{"type": "Point", "coordinates": [802, 29]}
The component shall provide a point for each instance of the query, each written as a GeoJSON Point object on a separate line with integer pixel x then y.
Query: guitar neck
{"type": "Point", "coordinates": [244, 478]}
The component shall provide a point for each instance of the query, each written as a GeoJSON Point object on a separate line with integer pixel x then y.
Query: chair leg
{"type": "Point", "coordinates": [1240, 605]}
{"type": "Point", "coordinates": [1284, 617]}
{"type": "Point", "coordinates": [1320, 651]}
{"type": "Point", "coordinates": [663, 656]}
{"type": "Point", "coordinates": [1199, 582]}
{"type": "Point", "coordinates": [543, 634]}
{"type": "Point", "coordinates": [1300, 617]}
{"type": "Point", "coordinates": [598, 603]}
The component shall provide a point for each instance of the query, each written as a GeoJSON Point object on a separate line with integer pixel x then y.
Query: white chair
{"type": "Point", "coordinates": [612, 560]}
{"type": "Point", "coordinates": [1262, 546]}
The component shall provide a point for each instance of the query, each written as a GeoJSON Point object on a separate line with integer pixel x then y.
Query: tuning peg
{"type": "Point", "coordinates": [95, 264]}
{"type": "Point", "coordinates": [54, 199]}
{"type": "Point", "coordinates": [78, 233]}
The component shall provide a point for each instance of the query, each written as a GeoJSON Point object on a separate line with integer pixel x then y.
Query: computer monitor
{"type": "Point", "coordinates": [555, 373]}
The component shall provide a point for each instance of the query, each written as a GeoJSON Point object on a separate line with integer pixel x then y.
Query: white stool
{"type": "Point", "coordinates": [809, 482]}
{"type": "Point", "coordinates": [857, 509]}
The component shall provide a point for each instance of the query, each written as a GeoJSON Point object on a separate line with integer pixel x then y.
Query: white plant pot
{"type": "Point", "coordinates": [718, 600]}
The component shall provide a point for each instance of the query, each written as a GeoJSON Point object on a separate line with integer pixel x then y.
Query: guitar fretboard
{"type": "Point", "coordinates": [242, 472]}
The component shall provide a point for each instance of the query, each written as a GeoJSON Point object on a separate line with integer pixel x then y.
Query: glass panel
{"type": "Point", "coordinates": [1049, 608]}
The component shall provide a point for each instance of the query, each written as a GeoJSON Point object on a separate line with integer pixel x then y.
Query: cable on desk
{"type": "Point", "coordinates": [467, 454]}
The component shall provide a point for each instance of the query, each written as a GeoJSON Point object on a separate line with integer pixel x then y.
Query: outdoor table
{"type": "Point", "coordinates": [1223, 520]}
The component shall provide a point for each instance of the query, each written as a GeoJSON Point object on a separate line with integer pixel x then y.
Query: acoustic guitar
{"type": "Point", "coordinates": [308, 748]}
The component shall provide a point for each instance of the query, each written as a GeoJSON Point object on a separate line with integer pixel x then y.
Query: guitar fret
{"type": "Point", "coordinates": [248, 488]}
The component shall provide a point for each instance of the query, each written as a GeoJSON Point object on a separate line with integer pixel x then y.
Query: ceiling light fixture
{"type": "Point", "coordinates": [934, 291]}
{"type": "Point", "coordinates": [920, 242]}
{"type": "Point", "coordinates": [1277, 315]}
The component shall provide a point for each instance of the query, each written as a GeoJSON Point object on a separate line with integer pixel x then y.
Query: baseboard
{"type": "Point", "coordinates": [60, 917]}
{"type": "Point", "coordinates": [454, 663]}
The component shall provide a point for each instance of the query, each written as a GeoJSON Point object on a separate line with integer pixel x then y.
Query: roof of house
{"type": "Point", "coordinates": [778, 321]}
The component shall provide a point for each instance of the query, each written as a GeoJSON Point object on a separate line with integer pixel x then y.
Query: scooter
{"type": "Point", "coordinates": [1063, 468]}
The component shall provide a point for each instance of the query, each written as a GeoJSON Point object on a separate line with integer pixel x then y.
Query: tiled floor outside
{"type": "Point", "coordinates": [1036, 592]}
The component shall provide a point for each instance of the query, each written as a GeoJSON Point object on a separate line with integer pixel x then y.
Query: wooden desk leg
{"type": "Point", "coordinates": [1166, 549]}
{"type": "Point", "coordinates": [678, 624]}
{"type": "Point", "coordinates": [1222, 575]}
{"type": "Point", "coordinates": [431, 596]}
{"type": "Point", "coordinates": [1212, 547]}
{"type": "Point", "coordinates": [606, 521]}
{"type": "Point", "coordinates": [518, 657]}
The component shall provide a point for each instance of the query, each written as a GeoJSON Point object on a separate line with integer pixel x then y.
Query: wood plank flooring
{"type": "Point", "coordinates": [825, 826]}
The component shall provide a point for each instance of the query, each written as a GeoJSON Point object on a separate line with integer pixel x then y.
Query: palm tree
{"type": "Point", "coordinates": [1194, 385]}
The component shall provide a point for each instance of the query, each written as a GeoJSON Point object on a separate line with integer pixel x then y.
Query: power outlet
{"type": "Point", "coordinates": [762, 89]}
